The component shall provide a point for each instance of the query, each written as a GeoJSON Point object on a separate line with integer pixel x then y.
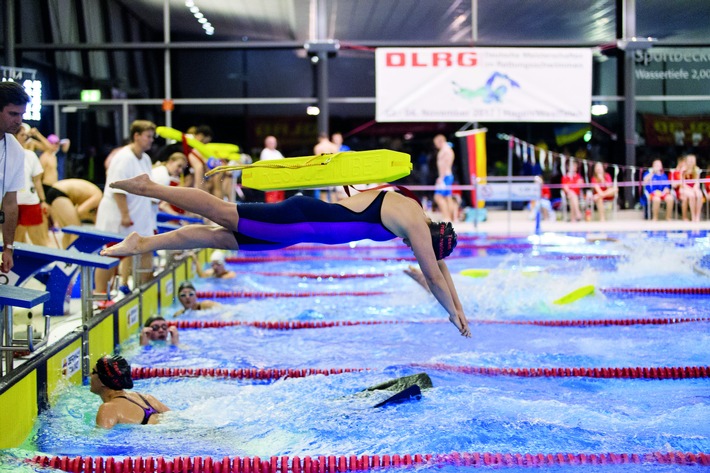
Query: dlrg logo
{"type": "Point", "coordinates": [431, 59]}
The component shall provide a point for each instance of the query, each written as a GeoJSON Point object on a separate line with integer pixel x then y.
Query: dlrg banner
{"type": "Point", "coordinates": [483, 84]}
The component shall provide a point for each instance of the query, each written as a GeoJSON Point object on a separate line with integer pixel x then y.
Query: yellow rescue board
{"type": "Point", "coordinates": [208, 150]}
{"type": "Point", "coordinates": [484, 272]}
{"type": "Point", "coordinates": [346, 168]}
{"type": "Point", "coordinates": [575, 295]}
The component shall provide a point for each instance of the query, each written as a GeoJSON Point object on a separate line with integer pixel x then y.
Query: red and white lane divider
{"type": "Point", "coordinates": [299, 325]}
{"type": "Point", "coordinates": [264, 295]}
{"type": "Point", "coordinates": [344, 463]}
{"type": "Point", "coordinates": [654, 372]}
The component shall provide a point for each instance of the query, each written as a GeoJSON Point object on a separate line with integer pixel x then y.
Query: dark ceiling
{"type": "Point", "coordinates": [379, 22]}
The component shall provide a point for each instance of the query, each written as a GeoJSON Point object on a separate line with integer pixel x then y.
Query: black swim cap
{"type": "Point", "coordinates": [186, 285]}
{"type": "Point", "coordinates": [443, 238]}
{"type": "Point", "coordinates": [153, 319]}
{"type": "Point", "coordinates": [114, 372]}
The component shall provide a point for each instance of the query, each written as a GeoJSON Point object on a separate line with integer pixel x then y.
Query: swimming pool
{"type": "Point", "coordinates": [513, 316]}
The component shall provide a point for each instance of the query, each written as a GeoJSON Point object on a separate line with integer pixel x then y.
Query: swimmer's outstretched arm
{"type": "Point", "coordinates": [187, 237]}
{"type": "Point", "coordinates": [437, 276]}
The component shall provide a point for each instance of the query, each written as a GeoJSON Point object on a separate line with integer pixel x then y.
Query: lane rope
{"type": "Point", "coordinates": [343, 463]}
{"type": "Point", "coordinates": [316, 324]}
{"type": "Point", "coordinates": [321, 276]}
{"type": "Point", "coordinates": [263, 295]}
{"type": "Point", "coordinates": [636, 372]}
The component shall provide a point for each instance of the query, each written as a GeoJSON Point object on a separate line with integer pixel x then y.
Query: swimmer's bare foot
{"type": "Point", "coordinates": [416, 274]}
{"type": "Point", "coordinates": [462, 324]}
{"type": "Point", "coordinates": [135, 185]}
{"type": "Point", "coordinates": [130, 246]}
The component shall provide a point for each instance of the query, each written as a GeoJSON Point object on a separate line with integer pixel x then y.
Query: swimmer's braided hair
{"type": "Point", "coordinates": [114, 372]}
{"type": "Point", "coordinates": [443, 238]}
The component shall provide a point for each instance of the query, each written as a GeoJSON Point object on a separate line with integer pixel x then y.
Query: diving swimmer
{"type": "Point", "coordinates": [375, 215]}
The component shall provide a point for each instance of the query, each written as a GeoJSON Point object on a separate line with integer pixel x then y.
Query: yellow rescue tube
{"type": "Point", "coordinates": [209, 150]}
{"type": "Point", "coordinates": [575, 295]}
{"type": "Point", "coordinates": [346, 168]}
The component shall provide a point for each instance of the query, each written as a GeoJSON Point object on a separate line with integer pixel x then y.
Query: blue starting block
{"type": "Point", "coordinates": [166, 217]}
{"type": "Point", "coordinates": [31, 260]}
{"type": "Point", "coordinates": [12, 296]}
{"type": "Point", "coordinates": [89, 239]}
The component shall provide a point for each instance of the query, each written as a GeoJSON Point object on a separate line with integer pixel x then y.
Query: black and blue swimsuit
{"type": "Point", "coordinates": [302, 219]}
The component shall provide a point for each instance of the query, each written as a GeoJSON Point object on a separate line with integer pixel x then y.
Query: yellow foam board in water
{"type": "Point", "coordinates": [476, 272]}
{"type": "Point", "coordinates": [173, 134]}
{"type": "Point", "coordinates": [346, 168]}
{"type": "Point", "coordinates": [484, 272]}
{"type": "Point", "coordinates": [575, 295]}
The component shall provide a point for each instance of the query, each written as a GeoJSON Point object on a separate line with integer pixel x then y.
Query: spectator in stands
{"type": "Point", "coordinates": [187, 295]}
{"type": "Point", "coordinates": [604, 189]}
{"type": "Point", "coordinates": [691, 188]}
{"type": "Point", "coordinates": [110, 378]}
{"type": "Point", "coordinates": [337, 139]}
{"type": "Point", "coordinates": [658, 188]}
{"type": "Point", "coordinates": [572, 184]}
{"type": "Point", "coordinates": [168, 174]}
{"type": "Point", "coordinates": [156, 329]}
{"type": "Point", "coordinates": [217, 267]}
{"type": "Point", "coordinates": [197, 166]}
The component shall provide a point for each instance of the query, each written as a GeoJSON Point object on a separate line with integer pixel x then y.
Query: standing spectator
{"type": "Point", "coordinates": [604, 188]}
{"type": "Point", "coordinates": [31, 203]}
{"type": "Point", "coordinates": [124, 213]}
{"type": "Point", "coordinates": [195, 160]}
{"type": "Point", "coordinates": [444, 163]}
{"type": "Point", "coordinates": [71, 202]}
{"type": "Point", "coordinates": [168, 174]}
{"type": "Point", "coordinates": [49, 160]}
{"type": "Point", "coordinates": [324, 145]}
{"type": "Point", "coordinates": [337, 140]}
{"type": "Point", "coordinates": [659, 189]}
{"type": "Point", "coordinates": [13, 103]}
{"type": "Point", "coordinates": [270, 153]}
{"type": "Point", "coordinates": [572, 184]}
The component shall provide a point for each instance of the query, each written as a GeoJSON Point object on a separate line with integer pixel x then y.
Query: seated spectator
{"type": "Point", "coordinates": [659, 189]}
{"type": "Point", "coordinates": [109, 379]}
{"type": "Point", "coordinates": [156, 329]}
{"type": "Point", "coordinates": [187, 295]}
{"type": "Point", "coordinates": [218, 269]}
{"type": "Point", "coordinates": [572, 184]}
{"type": "Point", "coordinates": [691, 188]}
{"type": "Point", "coordinates": [604, 188]}
{"type": "Point", "coordinates": [543, 205]}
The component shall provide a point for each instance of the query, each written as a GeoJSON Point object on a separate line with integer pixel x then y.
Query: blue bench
{"type": "Point", "coordinates": [12, 296]}
{"type": "Point", "coordinates": [30, 260]}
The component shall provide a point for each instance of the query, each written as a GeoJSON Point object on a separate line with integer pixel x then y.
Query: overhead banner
{"type": "Point", "coordinates": [483, 84]}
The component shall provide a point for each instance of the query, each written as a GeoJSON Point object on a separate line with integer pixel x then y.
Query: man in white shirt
{"type": "Point", "coordinates": [124, 213]}
{"type": "Point", "coordinates": [13, 103]}
{"type": "Point", "coordinates": [270, 152]}
{"type": "Point", "coordinates": [31, 202]}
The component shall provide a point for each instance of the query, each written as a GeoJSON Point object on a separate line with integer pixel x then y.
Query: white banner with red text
{"type": "Point", "coordinates": [483, 84]}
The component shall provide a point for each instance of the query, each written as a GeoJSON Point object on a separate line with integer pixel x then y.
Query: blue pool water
{"type": "Point", "coordinates": [326, 415]}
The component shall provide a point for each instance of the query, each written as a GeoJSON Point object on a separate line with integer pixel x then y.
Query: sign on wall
{"type": "Point", "coordinates": [483, 84]}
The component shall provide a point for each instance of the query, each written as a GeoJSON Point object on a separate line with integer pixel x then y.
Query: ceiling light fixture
{"type": "Point", "coordinates": [195, 10]}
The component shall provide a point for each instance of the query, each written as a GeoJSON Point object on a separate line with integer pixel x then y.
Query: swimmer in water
{"type": "Point", "coordinates": [109, 379]}
{"type": "Point", "coordinates": [376, 215]}
{"type": "Point", "coordinates": [217, 269]}
{"type": "Point", "coordinates": [187, 295]}
{"type": "Point", "coordinates": [156, 329]}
